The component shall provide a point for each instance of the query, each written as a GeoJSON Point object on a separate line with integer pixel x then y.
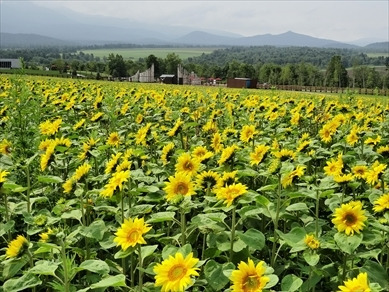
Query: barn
{"type": "Point", "coordinates": [168, 78]}
{"type": "Point", "coordinates": [10, 64]}
{"type": "Point", "coordinates": [241, 83]}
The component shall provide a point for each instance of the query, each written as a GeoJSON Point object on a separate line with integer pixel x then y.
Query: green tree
{"type": "Point", "coordinates": [171, 62]}
{"type": "Point", "coordinates": [336, 73]}
{"type": "Point", "coordinates": [116, 66]}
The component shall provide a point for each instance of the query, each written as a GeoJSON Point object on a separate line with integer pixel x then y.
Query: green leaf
{"type": "Point", "coordinates": [96, 230]}
{"type": "Point", "coordinates": [297, 207]}
{"type": "Point", "coordinates": [291, 283]}
{"type": "Point", "coordinates": [262, 200]}
{"type": "Point", "coordinates": [124, 253]}
{"type": "Point", "coordinates": [50, 179]}
{"type": "Point", "coordinates": [26, 281]}
{"type": "Point", "coordinates": [161, 217]}
{"type": "Point", "coordinates": [348, 243]}
{"type": "Point", "coordinates": [95, 266]}
{"type": "Point", "coordinates": [148, 189]}
{"type": "Point", "coordinates": [44, 268]}
{"type": "Point", "coordinates": [12, 266]}
{"type": "Point", "coordinates": [74, 214]}
{"type": "Point", "coordinates": [273, 280]}
{"type": "Point", "coordinates": [111, 281]}
{"type": "Point", "coordinates": [376, 273]}
{"type": "Point", "coordinates": [311, 257]}
{"type": "Point", "coordinates": [247, 173]}
{"type": "Point", "coordinates": [213, 272]}
{"type": "Point", "coordinates": [148, 250]}
{"type": "Point", "coordinates": [294, 236]}
{"type": "Point", "coordinates": [238, 245]}
{"type": "Point", "coordinates": [4, 228]}
{"type": "Point", "coordinates": [253, 238]}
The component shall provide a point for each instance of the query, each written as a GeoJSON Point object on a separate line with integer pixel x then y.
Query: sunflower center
{"type": "Point", "coordinates": [350, 219]}
{"type": "Point", "coordinates": [188, 165]}
{"type": "Point", "coordinates": [182, 188]}
{"type": "Point", "coordinates": [133, 235]}
{"type": "Point", "coordinates": [177, 272]}
{"type": "Point", "coordinates": [251, 283]}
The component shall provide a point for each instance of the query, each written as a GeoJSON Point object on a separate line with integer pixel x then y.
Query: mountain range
{"type": "Point", "coordinates": [24, 23]}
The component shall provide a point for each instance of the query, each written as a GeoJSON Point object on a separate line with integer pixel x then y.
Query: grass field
{"type": "Point", "coordinates": [136, 53]}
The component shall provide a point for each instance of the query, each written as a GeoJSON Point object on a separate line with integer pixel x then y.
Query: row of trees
{"type": "Point", "coordinates": [360, 72]}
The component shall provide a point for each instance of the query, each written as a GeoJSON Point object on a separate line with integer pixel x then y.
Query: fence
{"type": "Point", "coordinates": [327, 89]}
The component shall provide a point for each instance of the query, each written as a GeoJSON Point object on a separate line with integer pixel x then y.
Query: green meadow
{"type": "Point", "coordinates": [136, 53]}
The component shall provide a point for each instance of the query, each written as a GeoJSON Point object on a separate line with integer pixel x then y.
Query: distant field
{"type": "Point", "coordinates": [136, 53]}
{"type": "Point", "coordinates": [375, 55]}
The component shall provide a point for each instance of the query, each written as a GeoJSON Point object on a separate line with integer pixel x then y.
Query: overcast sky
{"type": "Point", "coordinates": [341, 20]}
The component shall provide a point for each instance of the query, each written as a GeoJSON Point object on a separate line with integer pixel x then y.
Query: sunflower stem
{"type": "Point", "coordinates": [382, 185]}
{"type": "Point", "coordinates": [182, 141]}
{"type": "Point", "coordinates": [344, 267]}
{"type": "Point", "coordinates": [317, 213]}
{"type": "Point", "coordinates": [140, 268]}
{"type": "Point", "coordinates": [122, 206]}
{"type": "Point", "coordinates": [65, 267]}
{"type": "Point", "coordinates": [233, 223]}
{"type": "Point", "coordinates": [275, 236]}
{"type": "Point", "coordinates": [132, 274]}
{"type": "Point", "coordinates": [203, 246]}
{"type": "Point", "coordinates": [183, 227]}
{"type": "Point", "coordinates": [28, 191]}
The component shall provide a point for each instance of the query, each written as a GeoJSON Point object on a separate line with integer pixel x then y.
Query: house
{"type": "Point", "coordinates": [241, 83]}
{"type": "Point", "coordinates": [10, 64]}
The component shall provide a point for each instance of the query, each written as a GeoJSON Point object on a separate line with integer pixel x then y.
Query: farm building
{"type": "Point", "coordinates": [146, 76]}
{"type": "Point", "coordinates": [168, 78]}
{"type": "Point", "coordinates": [241, 83]}
{"type": "Point", "coordinates": [10, 64]}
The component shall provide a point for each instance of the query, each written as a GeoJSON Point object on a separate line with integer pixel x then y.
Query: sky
{"type": "Point", "coordinates": [340, 20]}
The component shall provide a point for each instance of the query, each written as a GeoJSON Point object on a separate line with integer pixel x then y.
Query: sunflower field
{"type": "Point", "coordinates": [146, 187]}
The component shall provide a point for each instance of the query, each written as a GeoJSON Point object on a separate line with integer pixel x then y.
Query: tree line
{"type": "Point", "coordinates": [302, 66]}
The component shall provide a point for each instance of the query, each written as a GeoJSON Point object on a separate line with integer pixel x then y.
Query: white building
{"type": "Point", "coordinates": [10, 64]}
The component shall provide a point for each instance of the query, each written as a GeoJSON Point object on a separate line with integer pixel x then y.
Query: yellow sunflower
{"type": "Point", "coordinates": [230, 193]}
{"type": "Point", "coordinates": [334, 166]}
{"type": "Point", "coordinates": [68, 185]}
{"type": "Point", "coordinates": [382, 203]}
{"type": "Point", "coordinates": [258, 155]}
{"type": "Point", "coordinates": [176, 128]}
{"type": "Point", "coordinates": [5, 147]}
{"type": "Point", "coordinates": [131, 233]}
{"type": "Point", "coordinates": [343, 178]}
{"type": "Point", "coordinates": [228, 178]}
{"type": "Point", "coordinates": [352, 137]}
{"type": "Point", "coordinates": [358, 284]}
{"type": "Point", "coordinates": [311, 241]}
{"type": "Point", "coordinates": [16, 247]}
{"type": "Point", "coordinates": [227, 154]}
{"type": "Point", "coordinates": [113, 162]}
{"type": "Point", "coordinates": [216, 142]}
{"type": "Point", "coordinates": [248, 132]}
{"type": "Point", "coordinates": [349, 218]}
{"type": "Point", "coordinates": [201, 153]}
{"type": "Point", "coordinates": [81, 171]}
{"type": "Point", "coordinates": [79, 124]}
{"type": "Point", "coordinates": [285, 154]}
{"type": "Point", "coordinates": [178, 186]}
{"type": "Point", "coordinates": [175, 273]}
{"type": "Point", "coordinates": [359, 171]}
{"type": "Point", "coordinates": [3, 175]}
{"type": "Point", "coordinates": [167, 152]}
{"type": "Point", "coordinates": [185, 163]}
{"type": "Point", "coordinates": [249, 277]}
{"type": "Point", "coordinates": [383, 150]}
{"type": "Point", "coordinates": [373, 174]}
{"type": "Point", "coordinates": [113, 139]}
{"type": "Point", "coordinates": [207, 179]}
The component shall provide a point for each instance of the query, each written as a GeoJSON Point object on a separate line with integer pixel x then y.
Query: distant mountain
{"type": "Point", "coordinates": [380, 47]}
{"type": "Point", "coordinates": [21, 40]}
{"type": "Point", "coordinates": [285, 39]}
{"type": "Point", "coordinates": [24, 23]}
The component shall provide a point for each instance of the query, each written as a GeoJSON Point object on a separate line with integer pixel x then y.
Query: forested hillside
{"type": "Point", "coordinates": [285, 55]}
